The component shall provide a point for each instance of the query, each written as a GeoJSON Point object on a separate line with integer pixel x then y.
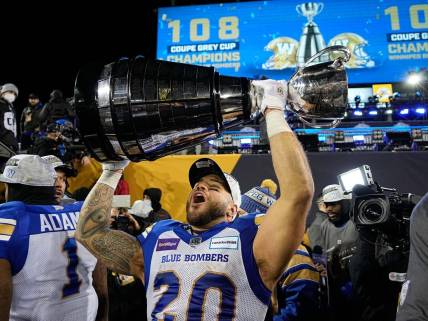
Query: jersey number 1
{"type": "Point", "coordinates": [72, 287]}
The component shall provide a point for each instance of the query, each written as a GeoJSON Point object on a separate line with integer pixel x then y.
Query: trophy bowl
{"type": "Point", "coordinates": [319, 92]}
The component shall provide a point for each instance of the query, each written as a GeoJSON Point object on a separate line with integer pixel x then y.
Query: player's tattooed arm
{"type": "Point", "coordinates": [118, 250]}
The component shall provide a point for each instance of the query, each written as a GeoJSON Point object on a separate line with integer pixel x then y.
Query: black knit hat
{"type": "Point", "coordinates": [155, 195]}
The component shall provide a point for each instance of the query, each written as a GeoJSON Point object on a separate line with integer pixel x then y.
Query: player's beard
{"type": "Point", "coordinates": [212, 212]}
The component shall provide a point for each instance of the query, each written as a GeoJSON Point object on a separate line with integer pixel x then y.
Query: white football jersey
{"type": "Point", "coordinates": [52, 273]}
{"type": "Point", "coordinates": [211, 276]}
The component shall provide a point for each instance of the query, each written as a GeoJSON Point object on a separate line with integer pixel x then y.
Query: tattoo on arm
{"type": "Point", "coordinates": [118, 250]}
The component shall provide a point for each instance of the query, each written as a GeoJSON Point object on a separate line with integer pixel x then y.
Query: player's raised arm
{"type": "Point", "coordinates": [284, 225]}
{"type": "Point", "coordinates": [118, 250]}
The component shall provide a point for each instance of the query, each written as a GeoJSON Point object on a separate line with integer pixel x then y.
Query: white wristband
{"type": "Point", "coordinates": [110, 178]}
{"type": "Point", "coordinates": [276, 123]}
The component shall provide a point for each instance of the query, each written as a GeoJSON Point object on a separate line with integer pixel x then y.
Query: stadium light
{"type": "Point", "coordinates": [414, 79]}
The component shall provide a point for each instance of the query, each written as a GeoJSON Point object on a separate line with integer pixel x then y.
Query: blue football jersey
{"type": "Point", "coordinates": [51, 272]}
{"type": "Point", "coordinates": [209, 276]}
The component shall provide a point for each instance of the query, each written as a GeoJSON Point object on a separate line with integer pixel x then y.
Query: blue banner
{"type": "Point", "coordinates": [387, 38]}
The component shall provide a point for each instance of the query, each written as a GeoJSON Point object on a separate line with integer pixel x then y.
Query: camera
{"type": "Point", "coordinates": [71, 145]}
{"type": "Point", "coordinates": [121, 223]}
{"type": "Point", "coordinates": [384, 210]}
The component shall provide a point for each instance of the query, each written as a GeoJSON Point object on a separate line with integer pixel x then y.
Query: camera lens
{"type": "Point", "coordinates": [373, 211]}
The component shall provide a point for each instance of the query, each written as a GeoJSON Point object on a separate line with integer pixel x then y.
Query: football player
{"type": "Point", "coordinates": [215, 267]}
{"type": "Point", "coordinates": [45, 275]}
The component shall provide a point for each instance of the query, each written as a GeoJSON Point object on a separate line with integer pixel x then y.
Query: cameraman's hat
{"type": "Point", "coordinates": [332, 193]}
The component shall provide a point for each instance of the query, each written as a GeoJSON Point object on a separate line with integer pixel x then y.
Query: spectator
{"type": "Point", "coordinates": [338, 239]}
{"type": "Point", "coordinates": [63, 171]}
{"type": "Point", "coordinates": [8, 94]}
{"type": "Point", "coordinates": [44, 273]}
{"type": "Point", "coordinates": [30, 121]}
{"type": "Point", "coordinates": [121, 219]}
{"type": "Point", "coordinates": [296, 296]}
{"type": "Point", "coordinates": [57, 108]}
{"type": "Point", "coordinates": [48, 145]}
{"type": "Point", "coordinates": [152, 197]}
{"type": "Point", "coordinates": [141, 210]}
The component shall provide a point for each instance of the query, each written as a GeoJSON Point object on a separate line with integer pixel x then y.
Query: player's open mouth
{"type": "Point", "coordinates": [198, 197]}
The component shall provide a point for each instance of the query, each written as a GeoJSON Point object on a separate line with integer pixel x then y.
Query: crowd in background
{"type": "Point", "coordinates": [41, 128]}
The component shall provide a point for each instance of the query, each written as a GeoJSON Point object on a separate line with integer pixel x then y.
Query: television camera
{"type": "Point", "coordinates": [383, 210]}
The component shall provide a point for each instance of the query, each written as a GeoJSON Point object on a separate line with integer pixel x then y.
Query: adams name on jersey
{"type": "Point", "coordinates": [51, 272]}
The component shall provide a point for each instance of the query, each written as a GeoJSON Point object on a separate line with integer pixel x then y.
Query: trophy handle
{"type": "Point", "coordinates": [299, 10]}
{"type": "Point", "coordinates": [331, 124]}
{"type": "Point", "coordinates": [321, 6]}
{"type": "Point", "coordinates": [343, 49]}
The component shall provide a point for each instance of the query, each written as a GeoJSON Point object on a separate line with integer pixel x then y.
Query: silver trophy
{"type": "Point", "coordinates": [311, 40]}
{"type": "Point", "coordinates": [316, 93]}
{"type": "Point", "coordinates": [144, 109]}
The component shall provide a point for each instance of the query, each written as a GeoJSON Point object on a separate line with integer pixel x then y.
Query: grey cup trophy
{"type": "Point", "coordinates": [311, 40]}
{"type": "Point", "coordinates": [318, 93]}
{"type": "Point", "coordinates": [144, 109]}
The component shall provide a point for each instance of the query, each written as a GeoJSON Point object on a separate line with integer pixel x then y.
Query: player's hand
{"type": "Point", "coordinates": [270, 94]}
{"type": "Point", "coordinates": [115, 165]}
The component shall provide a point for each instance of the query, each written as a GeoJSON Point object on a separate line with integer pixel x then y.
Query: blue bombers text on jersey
{"type": "Point", "coordinates": [209, 276]}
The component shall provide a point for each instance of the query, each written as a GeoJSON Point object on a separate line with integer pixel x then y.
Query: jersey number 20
{"type": "Point", "coordinates": [195, 308]}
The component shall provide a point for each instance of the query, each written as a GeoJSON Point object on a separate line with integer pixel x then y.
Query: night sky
{"type": "Point", "coordinates": [42, 51]}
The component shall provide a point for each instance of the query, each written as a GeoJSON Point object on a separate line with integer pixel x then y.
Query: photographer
{"type": "Point", "coordinates": [338, 236]}
{"type": "Point", "coordinates": [120, 217]}
{"type": "Point", "coordinates": [338, 229]}
{"type": "Point", "coordinates": [57, 108]}
{"type": "Point", "coordinates": [126, 293]}
{"type": "Point", "coordinates": [413, 300]}
{"type": "Point", "coordinates": [382, 250]}
{"type": "Point", "coordinates": [374, 295]}
{"type": "Point", "coordinates": [48, 145]}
